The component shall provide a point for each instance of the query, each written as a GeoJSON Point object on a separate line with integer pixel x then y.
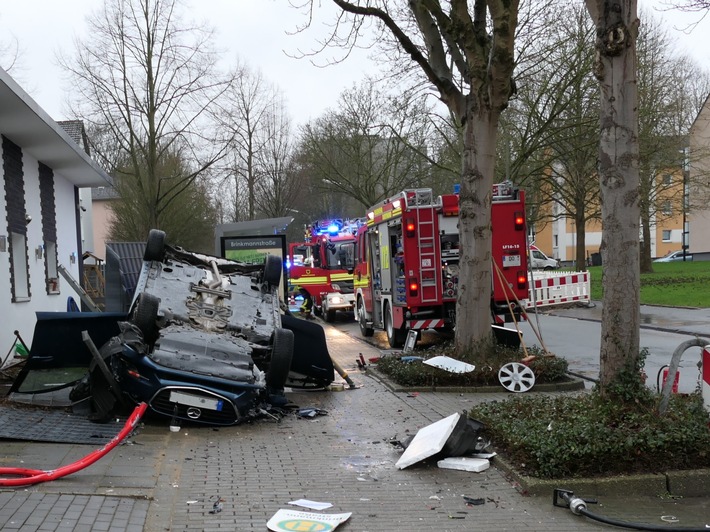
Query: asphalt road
{"type": "Point", "coordinates": [574, 333]}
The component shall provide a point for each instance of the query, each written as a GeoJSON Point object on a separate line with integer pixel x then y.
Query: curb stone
{"type": "Point", "coordinates": [690, 483]}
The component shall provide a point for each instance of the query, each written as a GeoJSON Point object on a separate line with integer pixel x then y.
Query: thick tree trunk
{"type": "Point", "coordinates": [617, 28]}
{"type": "Point", "coordinates": [473, 307]}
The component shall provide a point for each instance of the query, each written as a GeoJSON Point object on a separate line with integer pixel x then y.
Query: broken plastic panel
{"type": "Point", "coordinates": [455, 435]}
{"type": "Point", "coordinates": [428, 441]}
{"type": "Point", "coordinates": [464, 463]}
{"type": "Point", "coordinates": [450, 364]}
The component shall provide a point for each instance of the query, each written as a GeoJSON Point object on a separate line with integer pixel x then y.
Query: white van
{"type": "Point", "coordinates": [540, 261]}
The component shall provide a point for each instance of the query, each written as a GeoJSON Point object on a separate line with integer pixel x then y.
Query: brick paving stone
{"type": "Point", "coordinates": [169, 481]}
{"type": "Point", "coordinates": [344, 458]}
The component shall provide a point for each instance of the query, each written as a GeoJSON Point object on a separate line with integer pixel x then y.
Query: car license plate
{"type": "Point", "coordinates": [198, 401]}
{"type": "Point", "coordinates": [511, 260]}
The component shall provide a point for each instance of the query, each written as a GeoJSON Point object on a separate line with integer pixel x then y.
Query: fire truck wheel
{"type": "Point", "coordinates": [272, 270]}
{"type": "Point", "coordinates": [395, 337]}
{"type": "Point", "coordinates": [329, 315]}
{"type": "Point", "coordinates": [155, 246]}
{"type": "Point", "coordinates": [362, 319]}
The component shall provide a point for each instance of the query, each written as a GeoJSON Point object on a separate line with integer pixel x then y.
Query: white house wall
{"type": "Point", "coordinates": [20, 316]}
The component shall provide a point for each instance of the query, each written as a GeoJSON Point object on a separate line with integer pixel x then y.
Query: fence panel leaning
{"type": "Point", "coordinates": [557, 288]}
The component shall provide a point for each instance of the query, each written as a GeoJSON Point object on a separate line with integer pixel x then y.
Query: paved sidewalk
{"type": "Point", "coordinates": [169, 481]}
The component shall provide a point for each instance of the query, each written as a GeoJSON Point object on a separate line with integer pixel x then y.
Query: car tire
{"type": "Point", "coordinates": [281, 356]}
{"type": "Point", "coordinates": [145, 316]}
{"type": "Point", "coordinates": [395, 337]}
{"type": "Point", "coordinates": [272, 270]}
{"type": "Point", "coordinates": [155, 246]}
{"type": "Point", "coordinates": [366, 331]}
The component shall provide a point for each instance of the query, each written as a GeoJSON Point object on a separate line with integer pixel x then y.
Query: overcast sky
{"type": "Point", "coordinates": [255, 30]}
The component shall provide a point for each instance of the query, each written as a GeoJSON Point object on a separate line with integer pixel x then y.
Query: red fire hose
{"type": "Point", "coordinates": [35, 476]}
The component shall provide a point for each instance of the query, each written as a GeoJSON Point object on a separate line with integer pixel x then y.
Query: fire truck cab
{"type": "Point", "coordinates": [407, 261]}
{"type": "Point", "coordinates": [322, 266]}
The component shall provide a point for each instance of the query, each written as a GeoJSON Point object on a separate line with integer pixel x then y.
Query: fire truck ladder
{"type": "Point", "coordinates": [430, 265]}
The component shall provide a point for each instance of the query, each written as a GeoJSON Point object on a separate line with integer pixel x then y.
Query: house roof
{"type": "Point", "coordinates": [26, 124]}
{"type": "Point", "coordinates": [75, 129]}
{"type": "Point", "coordinates": [104, 193]}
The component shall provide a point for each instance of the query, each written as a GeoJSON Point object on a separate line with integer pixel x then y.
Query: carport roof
{"type": "Point", "coordinates": [26, 124]}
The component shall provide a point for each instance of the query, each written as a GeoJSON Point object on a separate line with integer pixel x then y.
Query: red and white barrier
{"type": "Point", "coordinates": [557, 288]}
{"type": "Point", "coordinates": [674, 387]}
{"type": "Point", "coordinates": [426, 324]}
{"type": "Point", "coordinates": [706, 377]}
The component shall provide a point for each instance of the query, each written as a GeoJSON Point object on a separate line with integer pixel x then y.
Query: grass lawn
{"type": "Point", "coordinates": [676, 284]}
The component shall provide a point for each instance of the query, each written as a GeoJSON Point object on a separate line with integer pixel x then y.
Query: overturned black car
{"type": "Point", "coordinates": [204, 341]}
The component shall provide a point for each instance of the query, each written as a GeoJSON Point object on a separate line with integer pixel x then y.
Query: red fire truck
{"type": "Point", "coordinates": [407, 261]}
{"type": "Point", "coordinates": [323, 264]}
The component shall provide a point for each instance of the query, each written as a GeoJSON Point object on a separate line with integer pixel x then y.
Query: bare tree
{"type": "Point", "coordinates": [689, 5]}
{"type": "Point", "coordinates": [550, 133]}
{"type": "Point", "coordinates": [617, 29]}
{"type": "Point", "coordinates": [278, 187]}
{"type": "Point", "coordinates": [664, 121]}
{"type": "Point", "coordinates": [247, 107]}
{"type": "Point", "coordinates": [190, 216]}
{"type": "Point", "coordinates": [9, 54]}
{"type": "Point", "coordinates": [372, 146]}
{"type": "Point", "coordinates": [148, 80]}
{"type": "Point", "coordinates": [467, 55]}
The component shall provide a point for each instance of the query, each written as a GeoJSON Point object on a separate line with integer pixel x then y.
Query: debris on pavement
{"type": "Point", "coordinates": [487, 456]}
{"type": "Point", "coordinates": [311, 412]}
{"type": "Point", "coordinates": [311, 505]}
{"type": "Point", "coordinates": [218, 505]}
{"type": "Point", "coordinates": [455, 435]}
{"type": "Point", "coordinates": [463, 463]}
{"type": "Point", "coordinates": [289, 520]}
{"type": "Point", "coordinates": [474, 501]}
{"type": "Point", "coordinates": [449, 364]}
